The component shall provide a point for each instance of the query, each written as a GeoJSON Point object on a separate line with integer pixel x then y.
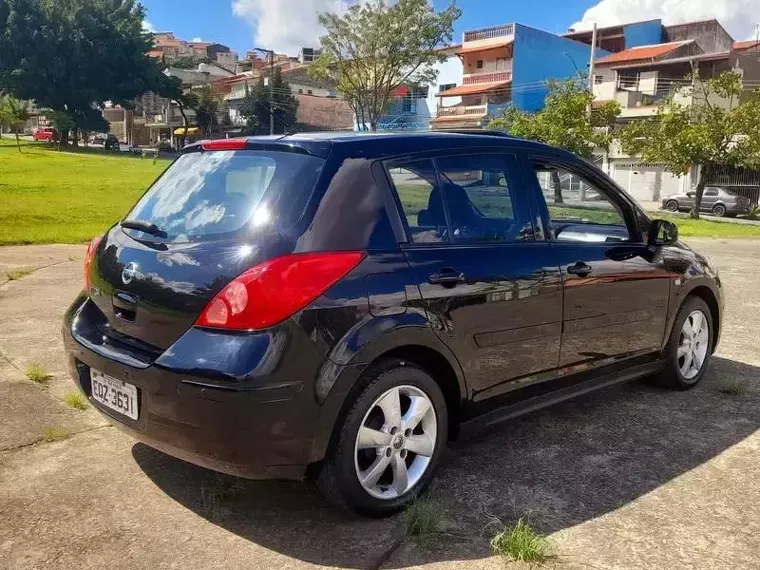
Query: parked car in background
{"type": "Point", "coordinates": [250, 314]}
{"type": "Point", "coordinates": [715, 199]}
{"type": "Point", "coordinates": [45, 134]}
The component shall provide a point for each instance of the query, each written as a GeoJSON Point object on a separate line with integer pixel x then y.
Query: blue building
{"type": "Point", "coordinates": [510, 64]}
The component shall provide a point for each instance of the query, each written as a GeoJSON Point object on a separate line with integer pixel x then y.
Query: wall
{"type": "Point", "coordinates": [710, 35]}
{"type": "Point", "coordinates": [303, 89]}
{"type": "Point", "coordinates": [643, 33]}
{"type": "Point", "coordinates": [648, 82]}
{"type": "Point", "coordinates": [450, 71]}
{"type": "Point", "coordinates": [321, 113]}
{"type": "Point", "coordinates": [539, 56]}
{"type": "Point", "coordinates": [605, 91]}
{"type": "Point", "coordinates": [489, 58]}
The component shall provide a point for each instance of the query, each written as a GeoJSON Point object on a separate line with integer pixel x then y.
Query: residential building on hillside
{"type": "Point", "coordinates": [642, 78]}
{"type": "Point", "coordinates": [308, 55]}
{"type": "Point", "coordinates": [166, 45]}
{"type": "Point", "coordinates": [169, 48]}
{"type": "Point", "coordinates": [318, 109]}
{"type": "Point", "coordinates": [506, 64]}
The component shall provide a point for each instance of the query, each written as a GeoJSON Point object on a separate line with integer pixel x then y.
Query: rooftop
{"type": "Point", "coordinates": [642, 53]}
{"type": "Point", "coordinates": [474, 89]}
{"type": "Point", "coordinates": [741, 46]}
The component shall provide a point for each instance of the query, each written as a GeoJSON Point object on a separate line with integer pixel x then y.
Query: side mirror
{"type": "Point", "coordinates": [662, 232]}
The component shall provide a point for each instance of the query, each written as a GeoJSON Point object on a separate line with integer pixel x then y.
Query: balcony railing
{"type": "Point", "coordinates": [488, 33]}
{"type": "Point", "coordinates": [462, 110]}
{"type": "Point", "coordinates": [487, 77]}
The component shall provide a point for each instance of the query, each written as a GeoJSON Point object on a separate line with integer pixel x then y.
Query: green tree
{"type": "Point", "coordinates": [720, 126]}
{"type": "Point", "coordinates": [255, 106]}
{"type": "Point", "coordinates": [206, 106]}
{"type": "Point", "coordinates": [375, 47]}
{"type": "Point", "coordinates": [14, 114]}
{"type": "Point", "coordinates": [67, 55]}
{"type": "Point", "coordinates": [567, 120]}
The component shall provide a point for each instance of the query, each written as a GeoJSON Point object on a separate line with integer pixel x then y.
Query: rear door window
{"type": "Point", "coordinates": [417, 189]}
{"type": "Point", "coordinates": [207, 194]}
{"type": "Point", "coordinates": [483, 205]}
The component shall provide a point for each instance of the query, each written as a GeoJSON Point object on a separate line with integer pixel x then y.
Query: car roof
{"type": "Point", "coordinates": [379, 145]}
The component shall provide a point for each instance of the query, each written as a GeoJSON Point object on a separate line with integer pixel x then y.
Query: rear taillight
{"type": "Point", "coordinates": [274, 290]}
{"type": "Point", "coordinates": [91, 249]}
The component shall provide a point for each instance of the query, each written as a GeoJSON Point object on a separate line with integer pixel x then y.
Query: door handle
{"type": "Point", "coordinates": [580, 269]}
{"type": "Point", "coordinates": [447, 277]}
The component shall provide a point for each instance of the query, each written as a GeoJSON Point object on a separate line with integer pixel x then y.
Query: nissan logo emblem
{"type": "Point", "coordinates": [129, 272]}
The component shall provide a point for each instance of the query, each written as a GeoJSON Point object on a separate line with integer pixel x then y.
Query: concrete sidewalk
{"type": "Point", "coordinates": [632, 477]}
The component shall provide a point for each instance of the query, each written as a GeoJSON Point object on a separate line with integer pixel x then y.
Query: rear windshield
{"type": "Point", "coordinates": [210, 193]}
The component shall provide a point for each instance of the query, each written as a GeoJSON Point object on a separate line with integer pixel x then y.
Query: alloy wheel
{"type": "Point", "coordinates": [672, 206]}
{"type": "Point", "coordinates": [693, 344]}
{"type": "Point", "coordinates": [395, 443]}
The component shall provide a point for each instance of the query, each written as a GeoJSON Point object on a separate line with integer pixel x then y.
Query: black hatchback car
{"type": "Point", "coordinates": [340, 306]}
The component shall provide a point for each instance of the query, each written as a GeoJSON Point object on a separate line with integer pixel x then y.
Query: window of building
{"type": "Point", "coordinates": [446, 86]}
{"type": "Point", "coordinates": [501, 64]}
{"type": "Point", "coordinates": [578, 209]}
{"type": "Point", "coordinates": [310, 92]}
{"type": "Point", "coordinates": [300, 91]}
{"type": "Point", "coordinates": [598, 79]}
{"type": "Point", "coordinates": [627, 79]}
{"type": "Point", "coordinates": [479, 64]}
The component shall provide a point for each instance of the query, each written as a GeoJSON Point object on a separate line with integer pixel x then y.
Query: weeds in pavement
{"type": "Point", "coordinates": [423, 517]}
{"type": "Point", "coordinates": [216, 491]}
{"type": "Point", "coordinates": [37, 373]}
{"type": "Point", "coordinates": [18, 273]}
{"type": "Point", "coordinates": [76, 400]}
{"type": "Point", "coordinates": [520, 543]}
{"type": "Point", "coordinates": [55, 434]}
{"type": "Point", "coordinates": [733, 387]}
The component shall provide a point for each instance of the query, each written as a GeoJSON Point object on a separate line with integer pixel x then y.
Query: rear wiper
{"type": "Point", "coordinates": [146, 227]}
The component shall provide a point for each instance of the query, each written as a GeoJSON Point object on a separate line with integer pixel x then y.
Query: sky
{"type": "Point", "coordinates": [287, 25]}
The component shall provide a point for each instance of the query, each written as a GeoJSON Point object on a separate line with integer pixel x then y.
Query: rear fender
{"type": "Point", "coordinates": [368, 341]}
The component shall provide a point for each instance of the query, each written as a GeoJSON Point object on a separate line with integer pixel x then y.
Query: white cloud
{"type": "Point", "coordinates": [739, 17]}
{"type": "Point", "coordinates": [286, 25]}
{"type": "Point", "coordinates": [196, 39]}
{"type": "Point", "coordinates": [148, 27]}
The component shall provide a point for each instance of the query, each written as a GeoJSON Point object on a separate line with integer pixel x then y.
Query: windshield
{"type": "Point", "coordinates": [210, 193]}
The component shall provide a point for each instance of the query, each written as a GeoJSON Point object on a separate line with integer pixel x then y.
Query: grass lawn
{"type": "Point", "coordinates": [707, 228]}
{"type": "Point", "coordinates": [48, 196]}
{"type": "Point", "coordinates": [69, 197]}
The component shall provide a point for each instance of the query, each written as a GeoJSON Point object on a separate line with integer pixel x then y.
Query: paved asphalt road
{"type": "Point", "coordinates": [628, 478]}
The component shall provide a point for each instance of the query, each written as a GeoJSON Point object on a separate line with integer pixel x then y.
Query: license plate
{"type": "Point", "coordinates": [114, 393]}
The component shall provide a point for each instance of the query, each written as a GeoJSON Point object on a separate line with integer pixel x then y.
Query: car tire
{"type": "Point", "coordinates": [683, 348]}
{"type": "Point", "coordinates": [346, 478]}
{"type": "Point", "coordinates": [671, 206]}
{"type": "Point", "coordinates": [719, 210]}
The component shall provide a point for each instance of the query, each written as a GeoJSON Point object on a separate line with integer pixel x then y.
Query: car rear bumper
{"type": "Point", "coordinates": [260, 424]}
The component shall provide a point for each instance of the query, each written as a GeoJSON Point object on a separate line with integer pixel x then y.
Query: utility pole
{"type": "Point", "coordinates": [270, 53]}
{"type": "Point", "coordinates": [591, 61]}
{"type": "Point", "coordinates": [271, 92]}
